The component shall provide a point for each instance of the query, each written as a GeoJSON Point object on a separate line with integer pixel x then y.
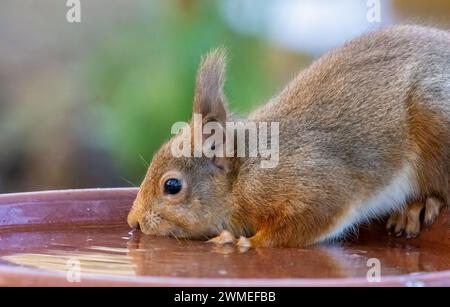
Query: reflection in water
{"type": "Point", "coordinates": [195, 259]}
{"type": "Point", "coordinates": [113, 251]}
{"type": "Point", "coordinates": [90, 262]}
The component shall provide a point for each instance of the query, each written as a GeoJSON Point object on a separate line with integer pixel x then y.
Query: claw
{"type": "Point", "coordinates": [411, 235]}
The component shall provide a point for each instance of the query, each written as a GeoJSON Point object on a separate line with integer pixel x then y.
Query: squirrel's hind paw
{"type": "Point", "coordinates": [407, 220]}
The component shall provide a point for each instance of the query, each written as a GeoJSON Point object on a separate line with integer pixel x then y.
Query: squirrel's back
{"type": "Point", "coordinates": [355, 101]}
{"type": "Point", "coordinates": [381, 64]}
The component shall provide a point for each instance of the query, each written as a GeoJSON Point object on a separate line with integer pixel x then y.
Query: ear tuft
{"type": "Point", "coordinates": [209, 100]}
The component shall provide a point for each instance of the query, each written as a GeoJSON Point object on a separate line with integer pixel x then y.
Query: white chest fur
{"type": "Point", "coordinates": [388, 199]}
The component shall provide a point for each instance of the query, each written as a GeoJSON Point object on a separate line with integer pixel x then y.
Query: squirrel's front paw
{"type": "Point", "coordinates": [225, 237]}
{"type": "Point", "coordinates": [407, 221]}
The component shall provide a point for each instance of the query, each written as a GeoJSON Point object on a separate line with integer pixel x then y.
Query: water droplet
{"type": "Point", "coordinates": [222, 272]}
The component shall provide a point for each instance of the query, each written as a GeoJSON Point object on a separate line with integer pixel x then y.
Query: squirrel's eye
{"type": "Point", "coordinates": [172, 186]}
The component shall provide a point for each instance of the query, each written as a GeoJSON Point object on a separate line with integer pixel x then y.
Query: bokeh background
{"type": "Point", "coordinates": [86, 104]}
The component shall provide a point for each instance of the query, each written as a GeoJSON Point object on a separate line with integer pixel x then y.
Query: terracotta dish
{"type": "Point", "coordinates": [80, 238]}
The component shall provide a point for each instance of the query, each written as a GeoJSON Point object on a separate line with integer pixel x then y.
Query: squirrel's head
{"type": "Point", "coordinates": [189, 196]}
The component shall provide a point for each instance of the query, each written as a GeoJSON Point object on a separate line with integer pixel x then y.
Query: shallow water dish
{"type": "Point", "coordinates": [80, 237]}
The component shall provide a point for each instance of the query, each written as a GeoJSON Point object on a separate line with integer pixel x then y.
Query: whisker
{"type": "Point", "coordinates": [145, 162]}
{"type": "Point", "coordinates": [204, 235]}
{"type": "Point", "coordinates": [129, 182]}
{"type": "Point", "coordinates": [173, 234]}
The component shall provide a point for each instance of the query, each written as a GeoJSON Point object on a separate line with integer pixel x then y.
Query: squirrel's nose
{"type": "Point", "coordinates": [132, 220]}
{"type": "Point", "coordinates": [135, 214]}
{"type": "Point", "coordinates": [133, 223]}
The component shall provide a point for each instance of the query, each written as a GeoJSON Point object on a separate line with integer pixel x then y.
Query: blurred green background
{"type": "Point", "coordinates": [87, 104]}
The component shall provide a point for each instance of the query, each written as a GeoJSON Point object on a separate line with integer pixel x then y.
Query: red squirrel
{"type": "Point", "coordinates": [363, 132]}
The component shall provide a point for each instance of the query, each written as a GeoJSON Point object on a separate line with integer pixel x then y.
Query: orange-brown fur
{"type": "Point", "coordinates": [348, 124]}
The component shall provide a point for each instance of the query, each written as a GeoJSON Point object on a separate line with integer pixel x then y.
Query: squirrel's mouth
{"type": "Point", "coordinates": [155, 224]}
{"type": "Point", "coordinates": [158, 225]}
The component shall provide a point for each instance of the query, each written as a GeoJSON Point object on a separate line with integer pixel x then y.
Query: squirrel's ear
{"type": "Point", "coordinates": [209, 100]}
